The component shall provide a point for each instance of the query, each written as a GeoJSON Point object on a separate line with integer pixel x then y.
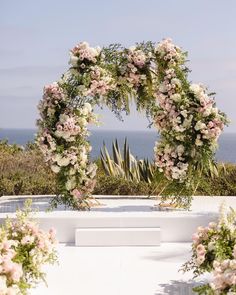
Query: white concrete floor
{"type": "Point", "coordinates": [119, 271]}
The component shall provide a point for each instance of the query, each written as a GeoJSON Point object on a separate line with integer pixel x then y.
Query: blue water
{"type": "Point", "coordinates": [141, 142]}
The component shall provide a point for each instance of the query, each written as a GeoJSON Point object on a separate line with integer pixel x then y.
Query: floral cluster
{"type": "Point", "coordinates": [62, 140]}
{"type": "Point", "coordinates": [168, 51]}
{"type": "Point", "coordinates": [53, 97]}
{"type": "Point", "coordinates": [72, 124]}
{"type": "Point", "coordinates": [136, 61]}
{"type": "Point", "coordinates": [214, 251]}
{"type": "Point", "coordinates": [186, 115]}
{"type": "Point", "coordinates": [11, 272]}
{"type": "Point", "coordinates": [83, 53]}
{"type": "Point", "coordinates": [101, 82]}
{"type": "Point", "coordinates": [172, 159]}
{"type": "Point", "coordinates": [24, 249]}
{"type": "Point", "coordinates": [211, 122]}
{"type": "Point", "coordinates": [224, 276]}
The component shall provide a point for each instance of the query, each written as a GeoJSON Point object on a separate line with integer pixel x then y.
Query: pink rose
{"type": "Point", "coordinates": [76, 193]}
{"type": "Point", "coordinates": [16, 272]}
{"type": "Point", "coordinates": [200, 260]}
{"type": "Point", "coordinates": [200, 229]}
{"type": "Point", "coordinates": [212, 225]}
{"type": "Point", "coordinates": [195, 238]}
{"type": "Point", "coordinates": [201, 250]}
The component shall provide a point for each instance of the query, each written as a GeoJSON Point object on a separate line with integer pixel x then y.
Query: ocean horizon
{"type": "Point", "coordinates": [141, 142]}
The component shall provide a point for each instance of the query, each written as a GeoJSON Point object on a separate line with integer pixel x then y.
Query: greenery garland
{"type": "Point", "coordinates": [155, 76]}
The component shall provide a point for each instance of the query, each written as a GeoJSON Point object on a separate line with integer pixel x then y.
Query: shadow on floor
{"type": "Point", "coordinates": [125, 208]}
{"type": "Point", "coordinates": [178, 288]}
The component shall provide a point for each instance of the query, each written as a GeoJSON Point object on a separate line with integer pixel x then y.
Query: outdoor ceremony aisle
{"type": "Point", "coordinates": [119, 271]}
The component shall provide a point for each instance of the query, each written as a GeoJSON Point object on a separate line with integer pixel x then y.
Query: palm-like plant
{"type": "Point", "coordinates": [126, 166]}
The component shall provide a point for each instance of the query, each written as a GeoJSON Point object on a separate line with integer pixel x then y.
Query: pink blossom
{"type": "Point", "coordinates": [77, 193]}
{"type": "Point", "coordinates": [201, 250]}
{"type": "Point", "coordinates": [16, 272]}
{"type": "Point", "coordinates": [200, 260]}
{"type": "Point", "coordinates": [212, 225]}
{"type": "Point", "coordinates": [195, 238]}
{"type": "Point", "coordinates": [52, 233]}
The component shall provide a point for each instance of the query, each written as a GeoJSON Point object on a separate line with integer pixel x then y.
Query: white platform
{"type": "Point", "coordinates": [176, 226]}
{"type": "Point", "coordinates": [119, 271]}
{"type": "Point", "coordinates": [123, 236]}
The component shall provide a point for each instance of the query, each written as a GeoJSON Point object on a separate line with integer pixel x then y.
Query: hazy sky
{"type": "Point", "coordinates": [35, 38]}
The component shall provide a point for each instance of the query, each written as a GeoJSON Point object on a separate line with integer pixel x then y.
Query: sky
{"type": "Point", "coordinates": [36, 36]}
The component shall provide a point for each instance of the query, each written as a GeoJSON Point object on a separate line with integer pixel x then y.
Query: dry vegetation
{"type": "Point", "coordinates": [24, 172]}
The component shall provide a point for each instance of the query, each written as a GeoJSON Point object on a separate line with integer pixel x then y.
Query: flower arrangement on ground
{"type": "Point", "coordinates": [214, 251]}
{"type": "Point", "coordinates": [184, 114]}
{"type": "Point", "coordinates": [24, 249]}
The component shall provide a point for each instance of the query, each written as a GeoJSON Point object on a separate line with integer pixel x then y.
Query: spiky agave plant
{"type": "Point", "coordinates": [126, 166]}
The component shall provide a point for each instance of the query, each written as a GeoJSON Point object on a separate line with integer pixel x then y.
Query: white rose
{"type": "Point", "coordinates": [55, 168]}
{"type": "Point", "coordinates": [179, 129]}
{"type": "Point", "coordinates": [195, 88]}
{"type": "Point", "coordinates": [88, 106]}
{"type": "Point", "coordinates": [81, 88]}
{"type": "Point", "coordinates": [175, 97]}
{"type": "Point", "coordinates": [176, 82]}
{"type": "Point", "coordinates": [87, 109]}
{"type": "Point", "coordinates": [71, 184]}
{"type": "Point", "coordinates": [162, 88]}
{"type": "Point", "coordinates": [211, 246]}
{"type": "Point", "coordinates": [198, 142]}
{"type": "Point", "coordinates": [98, 49]}
{"type": "Point", "coordinates": [214, 111]}
{"type": "Point", "coordinates": [213, 286]}
{"type": "Point", "coordinates": [184, 113]}
{"type": "Point", "coordinates": [232, 264]}
{"type": "Point", "coordinates": [180, 149]}
{"type": "Point", "coordinates": [59, 133]}
{"type": "Point", "coordinates": [63, 161]}
{"type": "Point", "coordinates": [73, 60]}
{"type": "Point", "coordinates": [63, 118]}
{"type": "Point", "coordinates": [83, 121]}
{"type": "Point", "coordinates": [83, 157]}
{"type": "Point", "coordinates": [3, 284]}
{"type": "Point", "coordinates": [132, 48]}
{"type": "Point", "coordinates": [199, 125]}
{"type": "Point", "coordinates": [207, 112]}
{"type": "Point", "coordinates": [72, 171]}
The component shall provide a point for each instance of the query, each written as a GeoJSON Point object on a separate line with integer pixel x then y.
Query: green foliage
{"type": "Point", "coordinates": [222, 185]}
{"type": "Point", "coordinates": [23, 171]}
{"type": "Point", "coordinates": [108, 185]}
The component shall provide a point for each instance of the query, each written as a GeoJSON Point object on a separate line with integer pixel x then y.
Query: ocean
{"type": "Point", "coordinates": [141, 142]}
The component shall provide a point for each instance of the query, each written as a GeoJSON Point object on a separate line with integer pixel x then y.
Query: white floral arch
{"type": "Point", "coordinates": [184, 114]}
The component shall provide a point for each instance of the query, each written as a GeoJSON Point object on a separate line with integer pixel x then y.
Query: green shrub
{"type": "Point", "coordinates": [23, 171]}
{"type": "Point", "coordinates": [108, 185]}
{"type": "Point", "coordinates": [224, 185]}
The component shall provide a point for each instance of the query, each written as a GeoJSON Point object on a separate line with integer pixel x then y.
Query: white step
{"type": "Point", "coordinates": [117, 236]}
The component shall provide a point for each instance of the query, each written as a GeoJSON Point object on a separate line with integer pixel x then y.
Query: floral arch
{"type": "Point", "coordinates": [155, 76]}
